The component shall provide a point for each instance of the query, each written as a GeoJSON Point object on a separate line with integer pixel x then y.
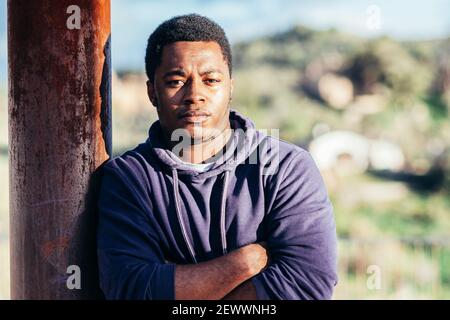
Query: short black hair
{"type": "Point", "coordinates": [190, 27]}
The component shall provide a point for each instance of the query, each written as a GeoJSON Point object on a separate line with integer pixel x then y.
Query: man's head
{"type": "Point", "coordinates": [188, 63]}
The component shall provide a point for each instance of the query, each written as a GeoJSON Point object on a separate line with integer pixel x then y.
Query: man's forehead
{"type": "Point", "coordinates": [199, 51]}
{"type": "Point", "coordinates": [180, 57]}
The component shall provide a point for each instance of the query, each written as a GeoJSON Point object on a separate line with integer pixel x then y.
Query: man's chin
{"type": "Point", "coordinates": [197, 138]}
{"type": "Point", "coordinates": [195, 134]}
{"type": "Point", "coordinates": [191, 135]}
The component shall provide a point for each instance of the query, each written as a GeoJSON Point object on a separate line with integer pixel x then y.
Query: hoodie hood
{"type": "Point", "coordinates": [241, 144]}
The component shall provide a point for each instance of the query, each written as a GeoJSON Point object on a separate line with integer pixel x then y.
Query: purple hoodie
{"type": "Point", "coordinates": [154, 209]}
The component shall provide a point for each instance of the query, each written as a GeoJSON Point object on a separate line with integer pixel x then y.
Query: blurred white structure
{"type": "Point", "coordinates": [344, 150]}
{"type": "Point", "coordinates": [348, 152]}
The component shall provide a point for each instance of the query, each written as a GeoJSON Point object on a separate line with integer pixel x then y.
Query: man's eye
{"type": "Point", "coordinates": [174, 82]}
{"type": "Point", "coordinates": [212, 81]}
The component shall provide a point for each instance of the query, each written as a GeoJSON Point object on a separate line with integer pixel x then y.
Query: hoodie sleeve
{"type": "Point", "coordinates": [301, 237]}
{"type": "Point", "coordinates": [131, 262]}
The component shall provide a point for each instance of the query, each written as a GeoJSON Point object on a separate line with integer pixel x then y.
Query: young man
{"type": "Point", "coordinates": [204, 222]}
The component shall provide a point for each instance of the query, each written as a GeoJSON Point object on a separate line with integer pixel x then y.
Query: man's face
{"type": "Point", "coordinates": [192, 89]}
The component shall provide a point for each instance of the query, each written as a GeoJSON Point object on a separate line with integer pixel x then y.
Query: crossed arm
{"type": "Point", "coordinates": [132, 263]}
{"type": "Point", "coordinates": [302, 236]}
{"type": "Point", "coordinates": [226, 277]}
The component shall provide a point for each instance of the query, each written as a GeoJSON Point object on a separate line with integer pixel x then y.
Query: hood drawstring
{"type": "Point", "coordinates": [222, 211]}
{"type": "Point", "coordinates": [176, 195]}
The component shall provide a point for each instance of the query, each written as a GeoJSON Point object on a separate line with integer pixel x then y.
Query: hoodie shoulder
{"type": "Point", "coordinates": [287, 160]}
{"type": "Point", "coordinates": [134, 161]}
{"type": "Point", "coordinates": [283, 150]}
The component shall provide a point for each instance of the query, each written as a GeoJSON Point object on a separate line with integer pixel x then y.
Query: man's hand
{"type": "Point", "coordinates": [256, 256]}
{"type": "Point", "coordinates": [216, 278]}
{"type": "Point", "coordinates": [246, 290]}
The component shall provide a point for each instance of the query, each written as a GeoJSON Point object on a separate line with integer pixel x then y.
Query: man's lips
{"type": "Point", "coordinates": [194, 116]}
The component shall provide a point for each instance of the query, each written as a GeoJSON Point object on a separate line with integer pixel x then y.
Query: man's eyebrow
{"type": "Point", "coordinates": [211, 70]}
{"type": "Point", "coordinates": [176, 72]}
{"type": "Point", "coordinates": [182, 73]}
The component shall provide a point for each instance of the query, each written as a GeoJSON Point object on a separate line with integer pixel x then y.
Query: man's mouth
{"type": "Point", "coordinates": [194, 116]}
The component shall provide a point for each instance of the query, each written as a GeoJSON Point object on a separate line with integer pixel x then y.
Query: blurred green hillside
{"type": "Point", "coordinates": [314, 84]}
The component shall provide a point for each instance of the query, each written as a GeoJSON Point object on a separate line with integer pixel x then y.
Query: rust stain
{"type": "Point", "coordinates": [50, 247]}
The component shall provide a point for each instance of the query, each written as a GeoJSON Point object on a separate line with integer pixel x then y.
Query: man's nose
{"type": "Point", "coordinates": [194, 94]}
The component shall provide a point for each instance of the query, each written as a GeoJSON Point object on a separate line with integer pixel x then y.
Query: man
{"type": "Point", "coordinates": [203, 222]}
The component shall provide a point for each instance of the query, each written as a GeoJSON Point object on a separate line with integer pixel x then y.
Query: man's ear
{"type": "Point", "coordinates": [151, 93]}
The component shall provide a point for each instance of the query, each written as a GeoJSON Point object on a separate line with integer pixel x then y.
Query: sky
{"type": "Point", "coordinates": [134, 20]}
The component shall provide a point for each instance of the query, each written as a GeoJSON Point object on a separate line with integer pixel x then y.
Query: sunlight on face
{"type": "Point", "coordinates": [192, 86]}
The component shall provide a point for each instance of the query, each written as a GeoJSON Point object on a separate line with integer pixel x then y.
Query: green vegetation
{"type": "Point", "coordinates": [395, 234]}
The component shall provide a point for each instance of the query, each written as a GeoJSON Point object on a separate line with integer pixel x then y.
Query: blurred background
{"type": "Point", "coordinates": [363, 85]}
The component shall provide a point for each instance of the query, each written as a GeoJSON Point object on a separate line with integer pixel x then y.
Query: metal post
{"type": "Point", "coordinates": [59, 135]}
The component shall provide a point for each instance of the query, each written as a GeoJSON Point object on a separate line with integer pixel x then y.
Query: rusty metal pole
{"type": "Point", "coordinates": [59, 135]}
